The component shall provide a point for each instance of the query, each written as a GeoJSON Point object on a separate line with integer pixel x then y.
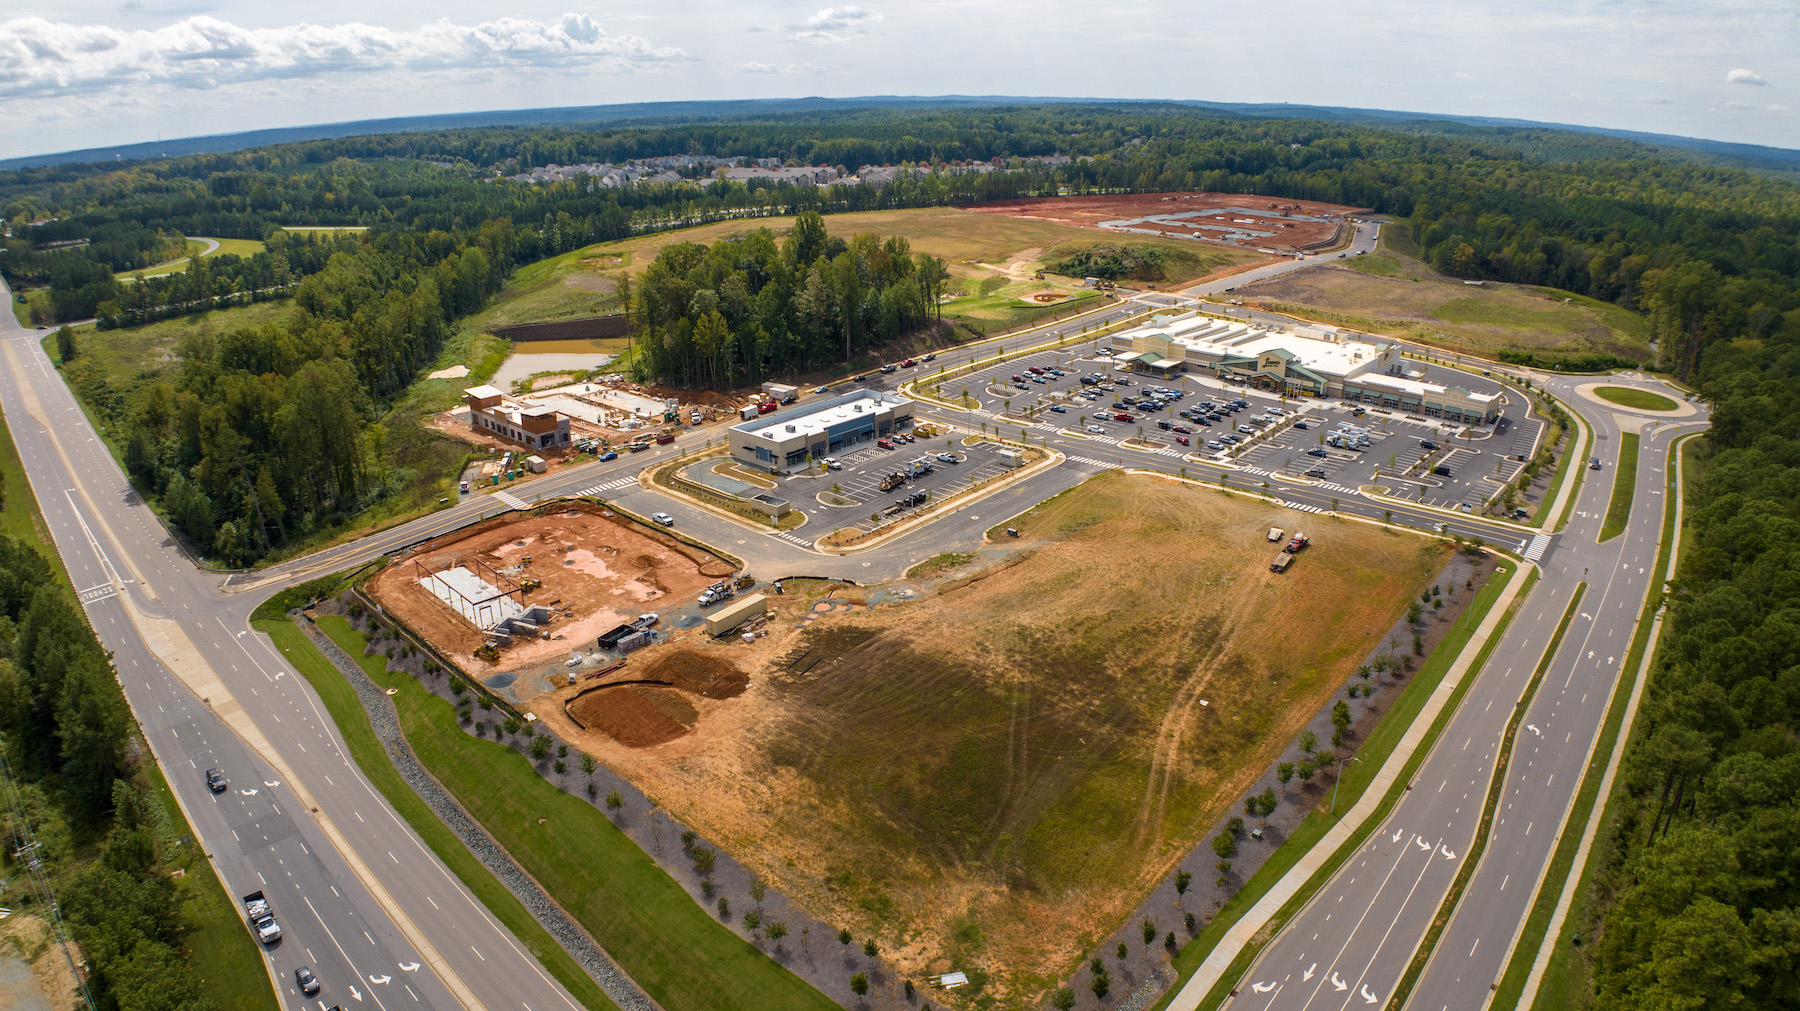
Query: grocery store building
{"type": "Point", "coordinates": [1315, 360]}
{"type": "Point", "coordinates": [780, 443]}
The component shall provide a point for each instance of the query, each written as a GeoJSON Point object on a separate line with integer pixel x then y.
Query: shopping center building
{"type": "Point", "coordinates": [1312, 360]}
{"type": "Point", "coordinates": [783, 442]}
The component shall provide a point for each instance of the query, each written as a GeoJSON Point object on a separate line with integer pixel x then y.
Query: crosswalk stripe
{"type": "Point", "coordinates": [1537, 547]}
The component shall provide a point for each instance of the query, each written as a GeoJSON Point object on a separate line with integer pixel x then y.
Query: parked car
{"type": "Point", "coordinates": [1302, 426]}
{"type": "Point", "coordinates": [1165, 426]}
{"type": "Point", "coordinates": [833, 463]}
{"type": "Point", "coordinates": [1096, 428]}
{"type": "Point", "coordinates": [1214, 444]}
{"type": "Point", "coordinates": [947, 457]}
{"type": "Point", "coordinates": [215, 781]}
{"type": "Point", "coordinates": [1021, 386]}
{"type": "Point", "coordinates": [1036, 370]}
{"type": "Point", "coordinates": [1183, 429]}
{"type": "Point", "coordinates": [1315, 451]}
{"type": "Point", "coordinates": [1441, 470]}
{"type": "Point", "coordinates": [1427, 444]}
{"type": "Point", "coordinates": [664, 518]}
{"type": "Point", "coordinates": [1123, 417]}
{"type": "Point", "coordinates": [1246, 429]}
{"type": "Point", "coordinates": [1182, 439]}
{"type": "Point", "coordinates": [306, 981]}
{"type": "Point", "coordinates": [1037, 379]}
{"type": "Point", "coordinates": [1058, 409]}
{"type": "Point", "coordinates": [884, 444]}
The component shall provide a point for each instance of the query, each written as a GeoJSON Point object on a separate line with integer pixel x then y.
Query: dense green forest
{"type": "Point", "coordinates": [104, 837]}
{"type": "Point", "coordinates": [750, 308]}
{"type": "Point", "coordinates": [1703, 884]}
{"type": "Point", "coordinates": [269, 436]}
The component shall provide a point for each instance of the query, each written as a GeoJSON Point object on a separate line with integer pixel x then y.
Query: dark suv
{"type": "Point", "coordinates": [215, 781]}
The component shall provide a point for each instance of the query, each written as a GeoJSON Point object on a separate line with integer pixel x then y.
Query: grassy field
{"type": "Point", "coordinates": [241, 247]}
{"type": "Point", "coordinates": [1001, 796]}
{"type": "Point", "coordinates": [220, 950]}
{"type": "Point", "coordinates": [1618, 512]}
{"type": "Point", "coordinates": [984, 252]}
{"type": "Point", "coordinates": [1392, 293]}
{"type": "Point", "coordinates": [34, 309]}
{"type": "Point", "coordinates": [1643, 400]}
{"type": "Point", "coordinates": [347, 713]}
{"type": "Point", "coordinates": [673, 948]}
{"type": "Point", "coordinates": [1355, 781]}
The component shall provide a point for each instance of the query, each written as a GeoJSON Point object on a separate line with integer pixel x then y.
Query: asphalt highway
{"type": "Point", "coordinates": [365, 903]}
{"type": "Point", "coordinates": [358, 895]}
{"type": "Point", "coordinates": [1352, 942]}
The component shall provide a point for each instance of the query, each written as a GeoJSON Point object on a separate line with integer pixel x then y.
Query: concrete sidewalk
{"type": "Point", "coordinates": [1219, 960]}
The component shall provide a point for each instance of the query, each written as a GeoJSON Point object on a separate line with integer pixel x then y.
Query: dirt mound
{"type": "Point", "coordinates": [635, 715]}
{"type": "Point", "coordinates": [699, 673]}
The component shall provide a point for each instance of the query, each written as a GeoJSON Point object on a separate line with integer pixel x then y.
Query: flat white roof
{"type": "Point", "coordinates": [1313, 349]}
{"type": "Point", "coordinates": [1421, 389]}
{"type": "Point", "coordinates": [817, 419]}
{"type": "Point", "coordinates": [483, 392]}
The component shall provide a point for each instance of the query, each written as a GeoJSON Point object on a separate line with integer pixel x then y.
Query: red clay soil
{"type": "Point", "coordinates": [1089, 211]}
{"type": "Point", "coordinates": [651, 707]}
{"type": "Point", "coordinates": [593, 562]}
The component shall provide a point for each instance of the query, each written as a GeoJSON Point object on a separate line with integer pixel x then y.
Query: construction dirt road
{"type": "Point", "coordinates": [597, 569]}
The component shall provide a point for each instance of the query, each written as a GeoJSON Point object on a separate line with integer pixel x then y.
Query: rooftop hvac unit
{"type": "Point", "coordinates": [790, 428]}
{"type": "Point", "coordinates": [856, 407]}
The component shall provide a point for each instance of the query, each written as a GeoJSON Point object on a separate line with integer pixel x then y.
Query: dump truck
{"type": "Point", "coordinates": [1294, 546]}
{"type": "Point", "coordinates": [1281, 562]}
{"type": "Point", "coordinates": [261, 917]}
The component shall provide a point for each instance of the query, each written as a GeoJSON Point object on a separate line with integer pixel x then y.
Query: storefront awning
{"type": "Point", "coordinates": [1163, 363]}
{"type": "Point", "coordinates": [1129, 356]}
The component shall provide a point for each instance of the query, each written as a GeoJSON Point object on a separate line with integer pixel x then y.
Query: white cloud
{"type": "Point", "coordinates": [1744, 75]}
{"type": "Point", "coordinates": [834, 24]}
{"type": "Point", "coordinates": [789, 68]}
{"type": "Point", "coordinates": [1459, 75]}
{"type": "Point", "coordinates": [44, 59]}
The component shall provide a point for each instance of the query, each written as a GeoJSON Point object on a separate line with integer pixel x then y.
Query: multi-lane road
{"type": "Point", "coordinates": [365, 903]}
{"type": "Point", "coordinates": [359, 897]}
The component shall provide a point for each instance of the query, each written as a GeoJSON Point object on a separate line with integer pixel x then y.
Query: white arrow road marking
{"type": "Point", "coordinates": [380, 980]}
{"type": "Point", "coordinates": [1427, 847]}
{"type": "Point", "coordinates": [271, 783]}
{"type": "Point", "coordinates": [1533, 728]}
{"type": "Point", "coordinates": [1368, 998]}
{"type": "Point", "coordinates": [1397, 834]}
{"type": "Point", "coordinates": [1588, 616]}
{"type": "Point", "coordinates": [1262, 987]}
{"type": "Point", "coordinates": [1590, 654]}
{"type": "Point", "coordinates": [356, 994]}
{"type": "Point", "coordinates": [1338, 984]}
{"type": "Point", "coordinates": [409, 967]}
{"type": "Point", "coordinates": [1609, 661]}
{"type": "Point", "coordinates": [240, 635]}
{"type": "Point", "coordinates": [1449, 855]}
{"type": "Point", "coordinates": [1308, 974]}
{"type": "Point", "coordinates": [249, 793]}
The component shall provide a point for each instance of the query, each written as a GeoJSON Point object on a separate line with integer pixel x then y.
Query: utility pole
{"type": "Point", "coordinates": [25, 851]}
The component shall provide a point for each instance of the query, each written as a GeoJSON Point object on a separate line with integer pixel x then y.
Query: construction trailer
{"type": "Point", "coordinates": [725, 619]}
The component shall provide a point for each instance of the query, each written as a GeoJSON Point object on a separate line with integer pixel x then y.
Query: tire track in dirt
{"type": "Point", "coordinates": [1167, 749]}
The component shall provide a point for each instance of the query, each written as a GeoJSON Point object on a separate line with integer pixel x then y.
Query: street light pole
{"type": "Point", "coordinates": [1332, 810]}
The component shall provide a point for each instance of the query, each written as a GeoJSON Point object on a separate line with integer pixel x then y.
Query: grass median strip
{"type": "Point", "coordinates": [1624, 487]}
{"type": "Point", "coordinates": [1356, 779]}
{"type": "Point", "coordinates": [1565, 983]}
{"type": "Point", "coordinates": [652, 928]}
{"type": "Point", "coordinates": [1472, 859]}
{"type": "Point", "coordinates": [347, 713]}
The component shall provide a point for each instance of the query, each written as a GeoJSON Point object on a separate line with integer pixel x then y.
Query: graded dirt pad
{"type": "Point", "coordinates": [654, 704]}
{"type": "Point", "coordinates": [993, 777]}
{"type": "Point", "coordinates": [1269, 214]}
{"type": "Point", "coordinates": [593, 562]}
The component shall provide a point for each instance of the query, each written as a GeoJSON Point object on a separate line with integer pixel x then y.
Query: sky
{"type": "Point", "coordinates": [86, 73]}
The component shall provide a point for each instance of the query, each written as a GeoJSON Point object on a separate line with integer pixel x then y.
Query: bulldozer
{"type": "Point", "coordinates": [488, 651]}
{"type": "Point", "coordinates": [529, 583]}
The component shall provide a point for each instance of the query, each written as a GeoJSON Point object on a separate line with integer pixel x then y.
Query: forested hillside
{"type": "Point", "coordinates": [268, 436]}
{"type": "Point", "coordinates": [1702, 875]}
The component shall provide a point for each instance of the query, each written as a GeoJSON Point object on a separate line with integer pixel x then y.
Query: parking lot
{"type": "Point", "coordinates": [1479, 460]}
{"type": "Point", "coordinates": [848, 496]}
